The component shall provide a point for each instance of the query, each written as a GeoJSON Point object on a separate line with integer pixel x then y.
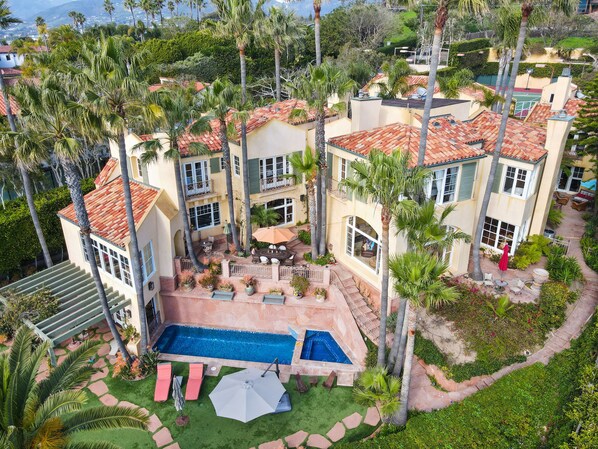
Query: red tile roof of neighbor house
{"type": "Point", "coordinates": [257, 118]}
{"type": "Point", "coordinates": [106, 172]}
{"type": "Point", "coordinates": [13, 104]}
{"type": "Point", "coordinates": [541, 112]}
{"type": "Point", "coordinates": [10, 49]}
{"type": "Point", "coordinates": [106, 209]}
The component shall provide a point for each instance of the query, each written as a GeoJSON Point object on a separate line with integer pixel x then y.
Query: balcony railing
{"type": "Point", "coordinates": [198, 188]}
{"type": "Point", "coordinates": [275, 183]}
{"type": "Point", "coordinates": [337, 190]}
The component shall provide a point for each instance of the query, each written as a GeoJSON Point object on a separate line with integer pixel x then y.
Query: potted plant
{"type": "Point", "coordinates": [207, 280]}
{"type": "Point", "coordinates": [276, 291]}
{"type": "Point", "coordinates": [249, 282]}
{"type": "Point", "coordinates": [320, 293]}
{"type": "Point", "coordinates": [186, 280]}
{"type": "Point", "coordinates": [299, 284]}
{"type": "Point", "coordinates": [226, 287]}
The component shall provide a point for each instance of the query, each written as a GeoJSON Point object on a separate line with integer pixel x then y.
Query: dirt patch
{"type": "Point", "coordinates": [442, 333]}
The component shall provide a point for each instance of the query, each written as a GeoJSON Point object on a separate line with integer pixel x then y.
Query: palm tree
{"type": "Point", "coordinates": [451, 86]}
{"type": "Point", "coordinates": [425, 230]}
{"type": "Point", "coordinates": [131, 5]}
{"type": "Point", "coordinates": [113, 87]}
{"type": "Point", "coordinates": [42, 29]}
{"type": "Point", "coordinates": [73, 16]}
{"type": "Point", "coordinates": [219, 99]}
{"type": "Point", "coordinates": [320, 83]}
{"type": "Point", "coordinates": [279, 31]}
{"type": "Point", "coordinates": [417, 279]}
{"type": "Point", "coordinates": [305, 169]}
{"type": "Point", "coordinates": [25, 158]}
{"type": "Point", "coordinates": [388, 181]}
{"type": "Point", "coordinates": [171, 7]}
{"type": "Point", "coordinates": [146, 6]}
{"type": "Point", "coordinates": [239, 20]}
{"type": "Point", "coordinates": [50, 413]}
{"type": "Point", "coordinates": [178, 108]}
{"type": "Point", "coordinates": [263, 217]}
{"type": "Point", "coordinates": [317, 10]}
{"type": "Point", "coordinates": [6, 17]}
{"type": "Point", "coordinates": [474, 6]}
{"type": "Point", "coordinates": [375, 387]}
{"type": "Point", "coordinates": [490, 99]}
{"type": "Point", "coordinates": [397, 73]}
{"type": "Point", "coordinates": [109, 8]}
{"type": "Point", "coordinates": [527, 8]}
{"type": "Point", "coordinates": [159, 6]}
{"type": "Point", "coordinates": [55, 120]}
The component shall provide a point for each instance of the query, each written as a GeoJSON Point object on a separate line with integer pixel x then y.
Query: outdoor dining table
{"type": "Point", "coordinates": [280, 254]}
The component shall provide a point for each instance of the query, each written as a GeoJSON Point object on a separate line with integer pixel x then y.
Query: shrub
{"type": "Point", "coordinates": [38, 306]}
{"type": "Point", "coordinates": [589, 249]}
{"type": "Point", "coordinates": [326, 259]}
{"type": "Point", "coordinates": [555, 216]}
{"type": "Point", "coordinates": [186, 278]}
{"type": "Point", "coordinates": [299, 284]}
{"type": "Point", "coordinates": [304, 236]}
{"type": "Point", "coordinates": [530, 251]}
{"type": "Point", "coordinates": [391, 321]}
{"type": "Point", "coordinates": [562, 268]}
{"type": "Point", "coordinates": [553, 305]}
{"type": "Point", "coordinates": [226, 287]}
{"type": "Point", "coordinates": [207, 279]}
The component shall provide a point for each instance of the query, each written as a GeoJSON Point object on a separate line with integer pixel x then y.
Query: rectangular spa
{"type": "Point", "coordinates": [248, 346]}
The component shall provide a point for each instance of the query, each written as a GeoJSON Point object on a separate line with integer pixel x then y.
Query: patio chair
{"type": "Point", "coordinates": [163, 382]}
{"type": "Point", "coordinates": [272, 247]}
{"type": "Point", "coordinates": [264, 260]}
{"type": "Point", "coordinates": [275, 261]}
{"type": "Point", "coordinates": [561, 198]}
{"type": "Point", "coordinates": [488, 280]}
{"type": "Point", "coordinates": [196, 374]}
{"type": "Point", "coordinates": [282, 248]}
{"type": "Point", "coordinates": [517, 286]}
{"type": "Point", "coordinates": [290, 261]}
{"type": "Point", "coordinates": [301, 387]}
{"type": "Point", "coordinates": [329, 382]}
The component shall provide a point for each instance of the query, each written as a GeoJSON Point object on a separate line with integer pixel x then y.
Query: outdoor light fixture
{"type": "Point", "coordinates": [150, 286]}
{"type": "Point", "coordinates": [529, 74]}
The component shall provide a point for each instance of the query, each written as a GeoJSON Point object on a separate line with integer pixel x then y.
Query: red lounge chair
{"type": "Point", "coordinates": [194, 382]}
{"type": "Point", "coordinates": [163, 382]}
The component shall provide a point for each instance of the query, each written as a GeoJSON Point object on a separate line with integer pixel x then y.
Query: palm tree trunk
{"type": "Point", "coordinates": [73, 182]}
{"type": "Point", "coordinates": [133, 15]}
{"type": "Point", "coordinates": [147, 19]}
{"type": "Point", "coordinates": [277, 72]}
{"type": "Point", "coordinates": [400, 418]}
{"type": "Point", "coordinates": [229, 184]}
{"type": "Point", "coordinates": [505, 80]}
{"type": "Point", "coordinates": [317, 9]}
{"type": "Point", "coordinates": [246, 191]}
{"type": "Point", "coordinates": [321, 147]}
{"type": "Point", "coordinates": [526, 10]}
{"type": "Point", "coordinates": [26, 181]}
{"type": "Point", "coordinates": [384, 288]}
{"type": "Point", "coordinates": [441, 17]}
{"type": "Point", "coordinates": [311, 198]}
{"type": "Point", "coordinates": [400, 360]}
{"type": "Point", "coordinates": [501, 69]}
{"type": "Point", "coordinates": [135, 252]}
{"type": "Point", "coordinates": [183, 212]}
{"type": "Point", "coordinates": [397, 351]}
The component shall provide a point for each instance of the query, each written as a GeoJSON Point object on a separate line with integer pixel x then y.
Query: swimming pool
{"type": "Point", "coordinates": [321, 346]}
{"type": "Point", "coordinates": [247, 346]}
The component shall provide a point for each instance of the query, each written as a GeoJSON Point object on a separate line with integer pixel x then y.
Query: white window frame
{"type": "Point", "coordinates": [440, 194]}
{"type": "Point", "coordinates": [343, 168]}
{"type": "Point", "coordinates": [570, 178]}
{"type": "Point", "coordinates": [529, 178]}
{"type": "Point", "coordinates": [193, 185]}
{"type": "Point", "coordinates": [112, 252]}
{"type": "Point", "coordinates": [275, 179]}
{"type": "Point", "coordinates": [139, 168]}
{"type": "Point", "coordinates": [144, 261]}
{"type": "Point", "coordinates": [212, 215]}
{"type": "Point", "coordinates": [500, 237]}
{"type": "Point", "coordinates": [222, 163]}
{"type": "Point", "coordinates": [284, 207]}
{"type": "Point", "coordinates": [350, 230]}
{"type": "Point", "coordinates": [237, 165]}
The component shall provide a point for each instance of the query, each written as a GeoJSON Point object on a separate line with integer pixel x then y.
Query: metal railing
{"type": "Point", "coordinates": [198, 188]}
{"type": "Point", "coordinates": [310, 273]}
{"type": "Point", "coordinates": [258, 271]}
{"type": "Point", "coordinates": [186, 264]}
{"type": "Point", "coordinates": [154, 324]}
{"type": "Point", "coordinates": [275, 183]}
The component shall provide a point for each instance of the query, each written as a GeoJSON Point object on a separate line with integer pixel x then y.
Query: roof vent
{"type": "Point", "coordinates": [436, 124]}
{"type": "Point", "coordinates": [452, 121]}
{"type": "Point", "coordinates": [360, 94]}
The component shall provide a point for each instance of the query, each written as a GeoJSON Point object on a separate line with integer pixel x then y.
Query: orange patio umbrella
{"type": "Point", "coordinates": [273, 235]}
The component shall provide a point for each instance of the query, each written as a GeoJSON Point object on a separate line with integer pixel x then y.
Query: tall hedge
{"type": "Point", "coordinates": [471, 45]}
{"type": "Point", "coordinates": [18, 240]}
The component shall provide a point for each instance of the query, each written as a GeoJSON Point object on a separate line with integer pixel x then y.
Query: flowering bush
{"type": "Point", "coordinates": [248, 280]}
{"type": "Point", "coordinates": [186, 279]}
{"type": "Point", "coordinates": [124, 371]}
{"type": "Point", "coordinates": [207, 279]}
{"type": "Point", "coordinates": [226, 287]}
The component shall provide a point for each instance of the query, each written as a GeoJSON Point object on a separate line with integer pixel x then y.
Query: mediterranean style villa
{"type": "Point", "coordinates": [461, 139]}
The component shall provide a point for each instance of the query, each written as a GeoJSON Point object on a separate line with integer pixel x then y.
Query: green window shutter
{"type": "Point", "coordinates": [129, 167]}
{"type": "Point", "coordinates": [215, 165]}
{"type": "Point", "coordinates": [144, 174]}
{"type": "Point", "coordinates": [497, 178]}
{"type": "Point", "coordinates": [329, 164]}
{"type": "Point", "coordinates": [467, 177]}
{"type": "Point", "coordinates": [254, 175]}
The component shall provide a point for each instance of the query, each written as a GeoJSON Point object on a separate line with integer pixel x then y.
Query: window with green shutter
{"type": "Point", "coordinates": [467, 178]}
{"type": "Point", "coordinates": [497, 178]}
{"type": "Point", "coordinates": [215, 165]}
{"type": "Point", "coordinates": [254, 175]}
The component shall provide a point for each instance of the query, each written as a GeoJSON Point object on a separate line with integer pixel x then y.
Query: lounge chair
{"type": "Point", "coordinates": [290, 261]}
{"type": "Point", "coordinates": [163, 382]}
{"type": "Point", "coordinates": [517, 286]}
{"type": "Point", "coordinates": [196, 374]}
{"type": "Point", "coordinates": [301, 387]}
{"type": "Point", "coordinates": [488, 280]}
{"type": "Point", "coordinates": [329, 382]}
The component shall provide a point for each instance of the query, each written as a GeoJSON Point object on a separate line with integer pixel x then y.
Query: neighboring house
{"type": "Point", "coordinates": [556, 97]}
{"type": "Point", "coordinates": [10, 58]}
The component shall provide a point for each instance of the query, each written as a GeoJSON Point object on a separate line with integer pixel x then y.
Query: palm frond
{"type": "Point", "coordinates": [99, 418]}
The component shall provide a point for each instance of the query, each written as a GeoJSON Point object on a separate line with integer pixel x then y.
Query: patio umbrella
{"type": "Point", "coordinates": [177, 394]}
{"type": "Point", "coordinates": [273, 235]}
{"type": "Point", "coordinates": [504, 260]}
{"type": "Point", "coordinates": [247, 394]}
{"type": "Point", "coordinates": [589, 185]}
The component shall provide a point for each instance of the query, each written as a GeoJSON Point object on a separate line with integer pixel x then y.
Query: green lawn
{"type": "Point", "coordinates": [315, 412]}
{"type": "Point", "coordinates": [577, 42]}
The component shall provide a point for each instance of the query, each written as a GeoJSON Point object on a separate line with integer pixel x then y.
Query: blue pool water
{"type": "Point", "coordinates": [321, 346]}
{"type": "Point", "coordinates": [248, 346]}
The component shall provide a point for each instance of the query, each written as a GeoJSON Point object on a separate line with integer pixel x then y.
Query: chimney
{"type": "Point", "coordinates": [562, 90]}
{"type": "Point", "coordinates": [365, 112]}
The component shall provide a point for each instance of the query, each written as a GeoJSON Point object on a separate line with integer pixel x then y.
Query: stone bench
{"type": "Point", "coordinates": [223, 296]}
{"type": "Point", "coordinates": [273, 299]}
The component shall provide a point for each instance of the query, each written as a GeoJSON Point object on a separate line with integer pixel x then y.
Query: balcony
{"type": "Point", "coordinates": [198, 188]}
{"type": "Point", "coordinates": [337, 190]}
{"type": "Point", "coordinates": [267, 184]}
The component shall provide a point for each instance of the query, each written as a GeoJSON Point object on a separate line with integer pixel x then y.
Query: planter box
{"type": "Point", "coordinates": [223, 296]}
{"type": "Point", "coordinates": [273, 299]}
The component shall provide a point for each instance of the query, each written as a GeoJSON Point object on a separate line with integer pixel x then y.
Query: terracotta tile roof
{"type": "Point", "coordinates": [440, 148]}
{"type": "Point", "coordinates": [106, 172]}
{"type": "Point", "coordinates": [106, 209]}
{"type": "Point", "coordinates": [13, 104]}
{"type": "Point", "coordinates": [199, 86]}
{"type": "Point", "coordinates": [10, 71]}
{"type": "Point", "coordinates": [10, 49]}
{"type": "Point", "coordinates": [522, 141]}
{"type": "Point", "coordinates": [541, 111]}
{"type": "Point", "coordinates": [146, 137]}
{"type": "Point", "coordinates": [258, 118]}
{"type": "Point", "coordinates": [476, 91]}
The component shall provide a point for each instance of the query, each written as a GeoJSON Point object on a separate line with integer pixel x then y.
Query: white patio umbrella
{"type": "Point", "coordinates": [247, 394]}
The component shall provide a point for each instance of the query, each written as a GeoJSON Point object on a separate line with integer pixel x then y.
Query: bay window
{"type": "Point", "coordinates": [110, 261]}
{"type": "Point", "coordinates": [517, 182]}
